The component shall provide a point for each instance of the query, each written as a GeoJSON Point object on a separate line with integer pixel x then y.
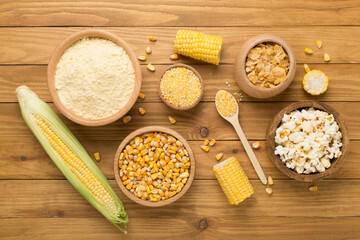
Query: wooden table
{"type": "Point", "coordinates": [36, 202]}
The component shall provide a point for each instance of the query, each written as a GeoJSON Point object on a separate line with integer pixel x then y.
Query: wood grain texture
{"type": "Point", "coordinates": [29, 157]}
{"type": "Point", "coordinates": [18, 45]}
{"type": "Point", "coordinates": [178, 13]}
{"type": "Point", "coordinates": [192, 125]}
{"type": "Point", "coordinates": [344, 82]}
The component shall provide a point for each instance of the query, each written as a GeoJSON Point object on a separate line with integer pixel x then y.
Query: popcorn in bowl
{"type": "Point", "coordinates": [307, 140]}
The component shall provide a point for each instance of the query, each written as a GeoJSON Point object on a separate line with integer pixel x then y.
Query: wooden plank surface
{"type": "Point", "coordinates": [342, 87]}
{"type": "Point", "coordinates": [36, 202]}
{"type": "Point", "coordinates": [19, 44]}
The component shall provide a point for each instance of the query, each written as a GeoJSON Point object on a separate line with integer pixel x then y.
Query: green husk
{"type": "Point", "coordinates": [30, 105]}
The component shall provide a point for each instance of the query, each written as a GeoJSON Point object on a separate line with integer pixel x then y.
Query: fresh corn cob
{"type": "Point", "coordinates": [233, 180]}
{"type": "Point", "coordinates": [199, 46]}
{"type": "Point", "coordinates": [315, 82]}
{"type": "Point", "coordinates": [70, 157]}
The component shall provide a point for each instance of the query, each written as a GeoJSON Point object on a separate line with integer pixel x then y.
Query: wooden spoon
{"type": "Point", "coordinates": [234, 120]}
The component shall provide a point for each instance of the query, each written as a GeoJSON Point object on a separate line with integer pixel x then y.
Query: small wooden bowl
{"type": "Point", "coordinates": [201, 82]}
{"type": "Point", "coordinates": [240, 74]}
{"type": "Point", "coordinates": [140, 132]}
{"type": "Point", "coordinates": [52, 68]}
{"type": "Point", "coordinates": [335, 163]}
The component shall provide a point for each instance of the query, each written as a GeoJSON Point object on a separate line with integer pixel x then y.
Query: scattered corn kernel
{"type": "Point", "coordinates": [233, 180]}
{"type": "Point", "coordinates": [315, 82]}
{"type": "Point", "coordinates": [142, 111]}
{"type": "Point", "coordinates": [142, 95]}
{"type": "Point", "coordinates": [205, 148]}
{"type": "Point", "coordinates": [212, 142]}
{"type": "Point", "coordinates": [148, 50]}
{"type": "Point", "coordinates": [97, 156]}
{"type": "Point", "coordinates": [150, 67]}
{"type": "Point", "coordinates": [319, 43]}
{"type": "Point", "coordinates": [256, 145]}
{"type": "Point", "coordinates": [126, 119]}
{"type": "Point", "coordinates": [309, 51]}
{"type": "Point", "coordinates": [270, 180]}
{"type": "Point", "coordinates": [225, 103]}
{"type": "Point", "coordinates": [313, 188]}
{"type": "Point", "coordinates": [326, 57]}
{"type": "Point", "coordinates": [180, 87]}
{"type": "Point", "coordinates": [206, 142]}
{"type": "Point", "coordinates": [306, 68]}
{"type": "Point", "coordinates": [199, 46]}
{"type": "Point", "coordinates": [172, 120]}
{"type": "Point", "coordinates": [219, 156]}
{"type": "Point", "coordinates": [142, 58]}
{"type": "Point", "coordinates": [152, 38]}
{"type": "Point", "coordinates": [269, 191]}
{"type": "Point", "coordinates": [174, 56]}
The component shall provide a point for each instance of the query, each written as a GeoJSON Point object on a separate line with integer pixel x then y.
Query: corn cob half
{"type": "Point", "coordinates": [233, 180]}
{"type": "Point", "coordinates": [199, 46]}
{"type": "Point", "coordinates": [70, 157]}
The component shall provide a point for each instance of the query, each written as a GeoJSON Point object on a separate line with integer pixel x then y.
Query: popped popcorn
{"type": "Point", "coordinates": [307, 140]}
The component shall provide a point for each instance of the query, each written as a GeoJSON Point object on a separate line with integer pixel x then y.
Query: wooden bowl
{"type": "Point", "coordinates": [241, 77]}
{"type": "Point", "coordinates": [201, 82]}
{"type": "Point", "coordinates": [147, 130]}
{"type": "Point", "coordinates": [52, 68]}
{"type": "Point", "coordinates": [335, 163]}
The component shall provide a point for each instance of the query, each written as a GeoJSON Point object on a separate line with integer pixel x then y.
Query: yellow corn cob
{"type": "Point", "coordinates": [315, 82]}
{"type": "Point", "coordinates": [233, 180]}
{"type": "Point", "coordinates": [70, 157]}
{"type": "Point", "coordinates": [199, 46]}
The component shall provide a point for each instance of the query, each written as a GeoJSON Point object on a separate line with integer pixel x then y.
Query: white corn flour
{"type": "Point", "coordinates": [94, 78]}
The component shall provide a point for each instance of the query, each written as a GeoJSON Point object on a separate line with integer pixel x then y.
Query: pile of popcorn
{"type": "Point", "coordinates": [267, 65]}
{"type": "Point", "coordinates": [307, 140]}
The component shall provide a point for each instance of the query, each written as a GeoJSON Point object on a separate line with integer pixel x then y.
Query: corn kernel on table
{"type": "Point", "coordinates": [37, 202]}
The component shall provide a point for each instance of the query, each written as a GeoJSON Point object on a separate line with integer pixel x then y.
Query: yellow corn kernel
{"type": "Point", "coordinates": [256, 145]}
{"type": "Point", "coordinates": [219, 156]}
{"type": "Point", "coordinates": [142, 58]}
{"type": "Point", "coordinates": [148, 50]}
{"type": "Point", "coordinates": [319, 43]}
{"type": "Point", "coordinates": [97, 156]}
{"type": "Point", "coordinates": [269, 191]}
{"type": "Point", "coordinates": [306, 68]}
{"type": "Point", "coordinates": [172, 120]}
{"type": "Point", "coordinates": [205, 148]}
{"type": "Point", "coordinates": [206, 142]}
{"type": "Point", "coordinates": [309, 51]}
{"type": "Point", "coordinates": [141, 95]}
{"type": "Point", "coordinates": [270, 180]}
{"type": "Point", "coordinates": [126, 119]}
{"type": "Point", "coordinates": [150, 67]}
{"type": "Point", "coordinates": [199, 46]}
{"type": "Point", "coordinates": [313, 188]}
{"type": "Point", "coordinates": [142, 111]}
{"type": "Point", "coordinates": [212, 142]}
{"type": "Point", "coordinates": [174, 57]}
{"type": "Point", "coordinates": [233, 180]}
{"type": "Point", "coordinates": [152, 38]}
{"type": "Point", "coordinates": [326, 57]}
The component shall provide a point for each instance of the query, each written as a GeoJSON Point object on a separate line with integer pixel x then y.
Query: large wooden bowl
{"type": "Point", "coordinates": [140, 132]}
{"type": "Point", "coordinates": [201, 82]}
{"type": "Point", "coordinates": [240, 74]}
{"type": "Point", "coordinates": [52, 68]}
{"type": "Point", "coordinates": [335, 163]}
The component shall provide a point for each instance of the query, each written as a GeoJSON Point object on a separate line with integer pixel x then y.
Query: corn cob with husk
{"type": "Point", "coordinates": [233, 180]}
{"type": "Point", "coordinates": [70, 157]}
{"type": "Point", "coordinates": [199, 46]}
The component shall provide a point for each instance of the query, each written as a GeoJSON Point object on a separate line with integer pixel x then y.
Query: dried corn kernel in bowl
{"type": "Point", "coordinates": [154, 166]}
{"type": "Point", "coordinates": [315, 82]}
{"type": "Point", "coordinates": [180, 87]}
{"type": "Point", "coordinates": [225, 103]}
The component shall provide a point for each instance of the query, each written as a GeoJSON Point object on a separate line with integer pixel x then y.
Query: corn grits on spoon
{"type": "Point", "coordinates": [228, 108]}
